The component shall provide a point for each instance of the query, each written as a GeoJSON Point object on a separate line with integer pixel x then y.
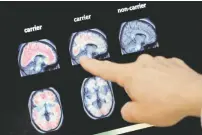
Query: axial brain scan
{"type": "Point", "coordinates": [137, 35]}
{"type": "Point", "coordinates": [37, 57]}
{"type": "Point", "coordinates": [45, 110]}
{"type": "Point", "coordinates": [91, 43]}
{"type": "Point", "coordinates": [97, 97]}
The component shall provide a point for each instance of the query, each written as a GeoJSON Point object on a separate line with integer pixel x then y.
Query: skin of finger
{"type": "Point", "coordinates": [160, 58]}
{"type": "Point", "coordinates": [107, 70]}
{"type": "Point", "coordinates": [129, 114]}
{"type": "Point", "coordinates": [180, 63]}
{"type": "Point", "coordinates": [148, 61]}
{"type": "Point", "coordinates": [139, 92]}
{"type": "Point", "coordinates": [148, 120]}
{"type": "Point", "coordinates": [144, 58]}
{"type": "Point", "coordinates": [162, 61]}
{"type": "Point", "coordinates": [134, 112]}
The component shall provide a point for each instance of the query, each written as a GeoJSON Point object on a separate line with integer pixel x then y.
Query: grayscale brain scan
{"type": "Point", "coordinates": [45, 110]}
{"type": "Point", "coordinates": [37, 57]}
{"type": "Point", "coordinates": [137, 35]}
{"type": "Point", "coordinates": [97, 97]}
{"type": "Point", "coordinates": [91, 43]}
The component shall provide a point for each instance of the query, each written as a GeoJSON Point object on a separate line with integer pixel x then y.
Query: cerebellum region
{"type": "Point", "coordinates": [45, 110]}
{"type": "Point", "coordinates": [137, 35]}
{"type": "Point", "coordinates": [97, 97]}
{"type": "Point", "coordinates": [37, 57]}
{"type": "Point", "coordinates": [91, 43]}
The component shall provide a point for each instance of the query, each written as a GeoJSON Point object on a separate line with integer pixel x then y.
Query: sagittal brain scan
{"type": "Point", "coordinates": [97, 97]}
{"type": "Point", "coordinates": [45, 110]}
{"type": "Point", "coordinates": [137, 35]}
{"type": "Point", "coordinates": [91, 43]}
{"type": "Point", "coordinates": [37, 57]}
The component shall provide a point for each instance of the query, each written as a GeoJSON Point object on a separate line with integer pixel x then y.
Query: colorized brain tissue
{"type": "Point", "coordinates": [91, 43]}
{"type": "Point", "coordinates": [45, 110]}
{"type": "Point", "coordinates": [137, 35]}
{"type": "Point", "coordinates": [37, 57]}
{"type": "Point", "coordinates": [97, 97]}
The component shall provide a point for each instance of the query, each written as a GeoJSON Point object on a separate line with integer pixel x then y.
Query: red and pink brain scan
{"type": "Point", "coordinates": [37, 57]}
{"type": "Point", "coordinates": [91, 43]}
{"type": "Point", "coordinates": [45, 110]}
{"type": "Point", "coordinates": [97, 97]}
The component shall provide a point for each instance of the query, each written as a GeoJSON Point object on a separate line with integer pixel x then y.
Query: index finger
{"type": "Point", "coordinates": [107, 70]}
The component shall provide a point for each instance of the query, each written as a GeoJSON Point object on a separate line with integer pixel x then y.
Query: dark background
{"type": "Point", "coordinates": [178, 27]}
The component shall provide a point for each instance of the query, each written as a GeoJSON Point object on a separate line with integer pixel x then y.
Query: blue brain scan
{"type": "Point", "coordinates": [45, 110]}
{"type": "Point", "coordinates": [137, 35]}
{"type": "Point", "coordinates": [91, 43]}
{"type": "Point", "coordinates": [97, 97]}
{"type": "Point", "coordinates": [37, 57]}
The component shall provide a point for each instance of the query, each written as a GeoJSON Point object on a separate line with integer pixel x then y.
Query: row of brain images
{"type": "Point", "coordinates": [40, 56]}
{"type": "Point", "coordinates": [45, 107]}
{"type": "Point", "coordinates": [46, 111]}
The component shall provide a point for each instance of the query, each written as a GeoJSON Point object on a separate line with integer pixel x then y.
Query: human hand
{"type": "Point", "coordinates": [163, 91]}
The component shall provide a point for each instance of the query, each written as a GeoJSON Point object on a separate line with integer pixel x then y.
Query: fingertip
{"type": "Point", "coordinates": [105, 69]}
{"type": "Point", "coordinates": [83, 59]}
{"type": "Point", "coordinates": [132, 112]}
{"type": "Point", "coordinates": [89, 65]}
{"type": "Point", "coordinates": [123, 109]}
{"type": "Point", "coordinates": [126, 112]}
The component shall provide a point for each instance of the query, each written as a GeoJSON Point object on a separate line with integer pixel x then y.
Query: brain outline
{"type": "Point", "coordinates": [110, 90]}
{"type": "Point", "coordinates": [130, 31]}
{"type": "Point", "coordinates": [34, 48]}
{"type": "Point", "coordinates": [38, 107]}
{"type": "Point", "coordinates": [89, 41]}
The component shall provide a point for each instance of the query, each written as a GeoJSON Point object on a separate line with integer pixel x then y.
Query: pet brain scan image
{"type": "Point", "coordinates": [97, 97]}
{"type": "Point", "coordinates": [45, 110]}
{"type": "Point", "coordinates": [37, 57]}
{"type": "Point", "coordinates": [91, 43]}
{"type": "Point", "coordinates": [137, 35]}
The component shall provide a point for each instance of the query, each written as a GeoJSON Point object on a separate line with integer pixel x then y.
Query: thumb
{"type": "Point", "coordinates": [132, 112]}
{"type": "Point", "coordinates": [105, 69]}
